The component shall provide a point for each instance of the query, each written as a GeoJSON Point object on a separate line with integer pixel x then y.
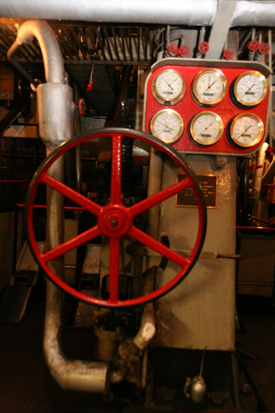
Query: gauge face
{"type": "Point", "coordinates": [250, 88]}
{"type": "Point", "coordinates": [206, 128]}
{"type": "Point", "coordinates": [246, 130]}
{"type": "Point", "coordinates": [168, 86]}
{"type": "Point", "coordinates": [167, 125]}
{"type": "Point", "coordinates": [209, 87]}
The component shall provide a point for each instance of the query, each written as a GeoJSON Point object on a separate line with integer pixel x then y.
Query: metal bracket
{"type": "Point", "coordinates": [220, 27]}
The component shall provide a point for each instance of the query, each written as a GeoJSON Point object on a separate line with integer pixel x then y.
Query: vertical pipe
{"type": "Point", "coordinates": [77, 130]}
{"type": "Point", "coordinates": [54, 101]}
{"type": "Point", "coordinates": [257, 179]}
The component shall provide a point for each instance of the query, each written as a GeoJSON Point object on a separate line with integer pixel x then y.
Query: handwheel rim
{"type": "Point", "coordinates": [97, 230]}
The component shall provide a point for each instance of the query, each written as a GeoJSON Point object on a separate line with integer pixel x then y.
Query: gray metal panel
{"type": "Point", "coordinates": [200, 312]}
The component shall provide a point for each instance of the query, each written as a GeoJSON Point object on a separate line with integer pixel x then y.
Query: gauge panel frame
{"type": "Point", "coordinates": [163, 100]}
{"type": "Point", "coordinates": [240, 77]}
{"type": "Point", "coordinates": [181, 125]}
{"type": "Point", "coordinates": [195, 93]}
{"type": "Point", "coordinates": [227, 109]}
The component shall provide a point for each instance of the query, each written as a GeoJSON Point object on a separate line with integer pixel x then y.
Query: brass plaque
{"type": "Point", "coordinates": [208, 184]}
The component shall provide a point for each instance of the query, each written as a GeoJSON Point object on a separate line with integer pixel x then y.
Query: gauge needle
{"type": "Point", "coordinates": [210, 86]}
{"type": "Point", "coordinates": [206, 128]}
{"type": "Point", "coordinates": [172, 83]}
{"type": "Point", "coordinates": [245, 130]}
{"type": "Point", "coordinates": [167, 83]}
{"type": "Point", "coordinates": [165, 125]}
{"type": "Point", "coordinates": [249, 89]}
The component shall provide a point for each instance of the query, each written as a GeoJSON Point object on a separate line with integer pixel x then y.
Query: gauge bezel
{"type": "Point", "coordinates": [260, 125]}
{"type": "Point", "coordinates": [196, 117]}
{"type": "Point", "coordinates": [162, 99]}
{"type": "Point", "coordinates": [169, 112]}
{"type": "Point", "coordinates": [250, 73]}
{"type": "Point", "coordinates": [197, 96]}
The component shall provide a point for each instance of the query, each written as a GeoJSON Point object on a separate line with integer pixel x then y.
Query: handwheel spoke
{"type": "Point", "coordinates": [72, 243]}
{"type": "Point", "coordinates": [74, 196]}
{"type": "Point", "coordinates": [116, 169]}
{"type": "Point", "coordinates": [158, 247]}
{"type": "Point", "coordinates": [114, 269]}
{"type": "Point", "coordinates": [160, 196]}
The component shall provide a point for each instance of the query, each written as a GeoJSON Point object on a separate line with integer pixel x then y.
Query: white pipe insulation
{"type": "Point", "coordinates": [55, 112]}
{"type": "Point", "coordinates": [183, 12]}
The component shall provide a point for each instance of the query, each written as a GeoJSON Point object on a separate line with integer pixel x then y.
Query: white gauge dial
{"type": "Point", "coordinates": [168, 86]}
{"type": "Point", "coordinates": [167, 125]}
{"type": "Point", "coordinates": [246, 130]}
{"type": "Point", "coordinates": [250, 88]}
{"type": "Point", "coordinates": [209, 87]}
{"type": "Point", "coordinates": [206, 128]}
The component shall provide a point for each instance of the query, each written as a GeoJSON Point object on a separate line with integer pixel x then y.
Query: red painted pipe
{"type": "Point", "coordinates": [45, 206]}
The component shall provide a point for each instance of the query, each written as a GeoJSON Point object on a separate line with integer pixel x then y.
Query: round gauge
{"type": "Point", "coordinates": [167, 125]}
{"type": "Point", "coordinates": [250, 88]}
{"type": "Point", "coordinates": [168, 86]}
{"type": "Point", "coordinates": [209, 87]}
{"type": "Point", "coordinates": [206, 128]}
{"type": "Point", "coordinates": [246, 130]}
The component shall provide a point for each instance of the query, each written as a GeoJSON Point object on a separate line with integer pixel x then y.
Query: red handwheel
{"type": "Point", "coordinates": [114, 220]}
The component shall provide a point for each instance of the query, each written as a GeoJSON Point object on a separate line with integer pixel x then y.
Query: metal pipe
{"type": "Point", "coordinates": [55, 111]}
{"type": "Point", "coordinates": [257, 179]}
{"type": "Point", "coordinates": [52, 57]}
{"type": "Point", "coordinates": [77, 130]}
{"type": "Point", "coordinates": [198, 13]}
{"type": "Point", "coordinates": [70, 374]}
{"type": "Point", "coordinates": [116, 376]}
{"type": "Point", "coordinates": [147, 329]}
{"type": "Point", "coordinates": [269, 174]}
{"type": "Point", "coordinates": [154, 186]}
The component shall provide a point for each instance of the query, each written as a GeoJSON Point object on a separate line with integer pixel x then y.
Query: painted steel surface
{"type": "Point", "coordinates": [188, 107]}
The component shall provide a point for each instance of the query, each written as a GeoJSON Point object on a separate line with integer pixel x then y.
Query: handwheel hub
{"type": "Point", "coordinates": [115, 221]}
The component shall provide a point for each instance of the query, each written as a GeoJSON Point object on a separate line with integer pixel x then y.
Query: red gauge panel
{"type": "Point", "coordinates": [187, 108]}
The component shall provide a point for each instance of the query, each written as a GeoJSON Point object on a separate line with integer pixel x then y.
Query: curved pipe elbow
{"type": "Point", "coordinates": [80, 375]}
{"type": "Point", "coordinates": [77, 375]}
{"type": "Point", "coordinates": [147, 328]}
{"type": "Point", "coordinates": [52, 57]}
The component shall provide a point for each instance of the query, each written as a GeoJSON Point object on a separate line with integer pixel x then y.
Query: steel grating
{"type": "Point", "coordinates": [83, 44]}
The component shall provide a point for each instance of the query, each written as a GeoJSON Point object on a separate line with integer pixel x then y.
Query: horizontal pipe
{"type": "Point", "coordinates": [193, 13]}
{"type": "Point", "coordinates": [200, 12]}
{"type": "Point", "coordinates": [256, 228]}
{"type": "Point", "coordinates": [72, 208]}
{"type": "Point", "coordinates": [11, 181]}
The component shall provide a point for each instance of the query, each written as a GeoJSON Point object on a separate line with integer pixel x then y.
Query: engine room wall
{"type": "Point", "coordinates": [200, 312]}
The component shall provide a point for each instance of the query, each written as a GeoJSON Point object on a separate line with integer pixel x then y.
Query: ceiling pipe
{"type": "Point", "coordinates": [192, 13]}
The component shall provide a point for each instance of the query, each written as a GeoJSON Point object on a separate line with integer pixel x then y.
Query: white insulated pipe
{"type": "Point", "coordinates": [52, 57]}
{"type": "Point", "coordinates": [181, 12]}
{"type": "Point", "coordinates": [55, 113]}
